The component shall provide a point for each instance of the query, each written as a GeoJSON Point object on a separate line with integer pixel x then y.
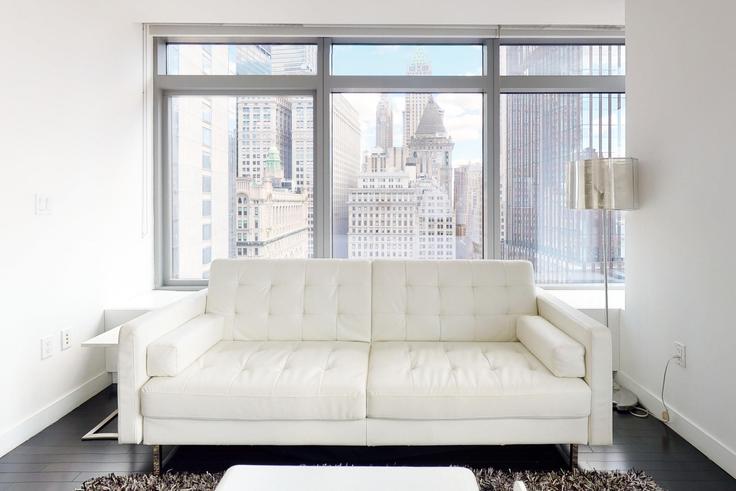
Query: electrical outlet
{"type": "Point", "coordinates": [66, 339]}
{"type": "Point", "coordinates": [47, 347]}
{"type": "Point", "coordinates": [680, 354]}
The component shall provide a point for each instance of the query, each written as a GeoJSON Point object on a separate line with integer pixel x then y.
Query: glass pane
{"type": "Point", "coordinates": [403, 59]}
{"type": "Point", "coordinates": [407, 175]}
{"type": "Point", "coordinates": [241, 179]}
{"type": "Point", "coordinates": [241, 59]}
{"type": "Point", "coordinates": [540, 134]}
{"type": "Point", "coordinates": [563, 60]}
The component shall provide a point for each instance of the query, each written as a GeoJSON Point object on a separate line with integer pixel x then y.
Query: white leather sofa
{"type": "Point", "coordinates": [347, 352]}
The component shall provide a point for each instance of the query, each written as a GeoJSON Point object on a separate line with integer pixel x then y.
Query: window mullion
{"type": "Point", "coordinates": [563, 84]}
{"type": "Point", "coordinates": [492, 158]}
{"type": "Point", "coordinates": [225, 83]}
{"type": "Point", "coordinates": [407, 84]}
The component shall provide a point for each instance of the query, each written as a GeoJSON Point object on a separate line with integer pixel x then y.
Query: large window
{"type": "Point", "coordinates": [431, 148]}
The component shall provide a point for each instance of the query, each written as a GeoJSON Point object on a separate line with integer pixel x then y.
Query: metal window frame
{"type": "Point", "coordinates": [491, 84]}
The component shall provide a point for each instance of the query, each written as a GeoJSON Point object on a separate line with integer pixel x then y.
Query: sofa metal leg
{"type": "Point", "coordinates": [157, 460]}
{"type": "Point", "coordinates": [573, 456]}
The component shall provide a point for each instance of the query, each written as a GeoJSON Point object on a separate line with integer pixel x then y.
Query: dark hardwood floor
{"type": "Point", "coordinates": [56, 458]}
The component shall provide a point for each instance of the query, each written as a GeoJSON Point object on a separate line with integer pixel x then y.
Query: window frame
{"type": "Point", "coordinates": [161, 87]}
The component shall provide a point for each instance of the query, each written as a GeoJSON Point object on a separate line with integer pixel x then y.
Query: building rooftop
{"type": "Point", "coordinates": [431, 123]}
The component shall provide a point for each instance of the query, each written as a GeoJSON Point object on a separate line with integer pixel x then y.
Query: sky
{"type": "Point", "coordinates": [463, 112]}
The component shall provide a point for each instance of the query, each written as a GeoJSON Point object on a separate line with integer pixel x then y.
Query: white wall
{"type": "Point", "coordinates": [680, 266]}
{"type": "Point", "coordinates": [71, 124]}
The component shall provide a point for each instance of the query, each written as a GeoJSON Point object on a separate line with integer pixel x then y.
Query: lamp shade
{"type": "Point", "coordinates": [602, 184]}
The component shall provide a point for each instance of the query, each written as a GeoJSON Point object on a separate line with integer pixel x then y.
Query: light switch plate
{"type": "Point", "coordinates": [42, 205]}
{"type": "Point", "coordinates": [47, 347]}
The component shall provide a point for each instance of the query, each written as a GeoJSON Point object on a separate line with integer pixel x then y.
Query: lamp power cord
{"type": "Point", "coordinates": [642, 412]}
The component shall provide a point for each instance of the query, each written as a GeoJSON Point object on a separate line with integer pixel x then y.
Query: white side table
{"type": "Point", "coordinates": [340, 478]}
{"type": "Point", "coordinates": [109, 341]}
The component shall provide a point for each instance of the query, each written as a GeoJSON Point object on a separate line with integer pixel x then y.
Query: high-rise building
{"type": "Point", "coordinates": [302, 144]}
{"type": "Point", "coordinates": [249, 59]}
{"type": "Point", "coordinates": [345, 167]}
{"type": "Point", "coordinates": [414, 103]}
{"type": "Point", "coordinates": [383, 211]}
{"type": "Point", "coordinates": [430, 149]}
{"type": "Point", "coordinates": [393, 216]}
{"type": "Point", "coordinates": [384, 124]}
{"type": "Point", "coordinates": [200, 228]}
{"type": "Point", "coordinates": [469, 210]}
{"type": "Point", "coordinates": [436, 228]}
{"type": "Point", "coordinates": [201, 162]}
{"type": "Point", "coordinates": [293, 59]}
{"type": "Point", "coordinates": [263, 122]}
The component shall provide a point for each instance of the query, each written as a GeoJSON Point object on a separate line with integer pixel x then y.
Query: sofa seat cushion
{"type": "Point", "coordinates": [270, 380]}
{"type": "Point", "coordinates": [468, 380]}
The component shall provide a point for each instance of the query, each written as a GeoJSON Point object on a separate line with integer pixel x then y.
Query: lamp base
{"type": "Point", "coordinates": [624, 400]}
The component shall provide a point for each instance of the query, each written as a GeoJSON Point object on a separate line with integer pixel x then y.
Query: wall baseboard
{"type": "Point", "coordinates": [713, 448]}
{"type": "Point", "coordinates": [52, 412]}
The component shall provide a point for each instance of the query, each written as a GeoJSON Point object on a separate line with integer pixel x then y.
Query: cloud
{"type": "Point", "coordinates": [465, 127]}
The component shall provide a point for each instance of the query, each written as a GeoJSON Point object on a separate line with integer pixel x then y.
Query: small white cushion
{"type": "Point", "coordinates": [176, 350]}
{"type": "Point", "coordinates": [265, 380]}
{"type": "Point", "coordinates": [561, 354]}
{"type": "Point", "coordinates": [467, 380]}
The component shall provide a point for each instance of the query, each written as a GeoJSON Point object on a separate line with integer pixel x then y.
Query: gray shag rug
{"type": "Point", "coordinates": [488, 480]}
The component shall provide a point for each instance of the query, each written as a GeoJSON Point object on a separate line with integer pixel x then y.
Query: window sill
{"type": "Point", "coordinates": [590, 299]}
{"type": "Point", "coordinates": [150, 300]}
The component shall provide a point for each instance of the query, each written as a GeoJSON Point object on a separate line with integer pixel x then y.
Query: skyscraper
{"type": "Point", "coordinates": [263, 122]}
{"type": "Point", "coordinates": [469, 210]}
{"type": "Point", "coordinates": [414, 104]}
{"type": "Point", "coordinates": [345, 167]}
{"type": "Point", "coordinates": [200, 164]}
{"type": "Point", "coordinates": [384, 124]}
{"type": "Point", "coordinates": [249, 59]}
{"type": "Point", "coordinates": [293, 59]}
{"type": "Point", "coordinates": [302, 144]}
{"type": "Point", "coordinates": [392, 215]}
{"type": "Point", "coordinates": [383, 212]}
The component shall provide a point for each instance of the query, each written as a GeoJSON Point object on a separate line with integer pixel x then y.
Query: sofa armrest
{"type": "Point", "coordinates": [557, 351]}
{"type": "Point", "coordinates": [177, 349]}
{"type": "Point", "coordinates": [135, 336]}
{"type": "Point", "coordinates": [596, 339]}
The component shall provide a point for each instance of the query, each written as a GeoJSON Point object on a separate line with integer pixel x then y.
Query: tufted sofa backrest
{"type": "Point", "coordinates": [292, 299]}
{"type": "Point", "coordinates": [450, 300]}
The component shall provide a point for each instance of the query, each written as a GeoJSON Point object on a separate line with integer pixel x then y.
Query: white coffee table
{"type": "Point", "coordinates": [342, 478]}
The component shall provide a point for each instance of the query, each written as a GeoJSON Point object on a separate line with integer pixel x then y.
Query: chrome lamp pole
{"type": "Point", "coordinates": [605, 185]}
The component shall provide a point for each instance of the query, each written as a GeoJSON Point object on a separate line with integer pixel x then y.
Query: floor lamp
{"type": "Point", "coordinates": [605, 185]}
